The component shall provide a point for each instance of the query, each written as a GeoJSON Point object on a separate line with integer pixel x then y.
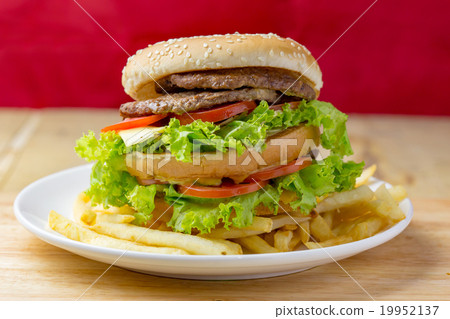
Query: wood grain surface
{"type": "Point", "coordinates": [413, 151]}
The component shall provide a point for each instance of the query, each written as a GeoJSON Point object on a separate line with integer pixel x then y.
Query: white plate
{"type": "Point", "coordinates": [58, 192]}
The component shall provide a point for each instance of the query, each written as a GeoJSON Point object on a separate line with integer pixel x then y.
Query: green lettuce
{"type": "Point", "coordinates": [111, 184]}
{"type": "Point", "coordinates": [320, 178]}
{"type": "Point", "coordinates": [204, 214]}
{"type": "Point", "coordinates": [110, 180]}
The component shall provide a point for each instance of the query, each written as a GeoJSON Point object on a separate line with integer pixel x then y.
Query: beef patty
{"type": "Point", "coordinates": [230, 79]}
{"type": "Point", "coordinates": [193, 100]}
{"type": "Point", "coordinates": [191, 91]}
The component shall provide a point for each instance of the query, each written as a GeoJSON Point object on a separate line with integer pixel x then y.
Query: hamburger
{"type": "Point", "coordinates": [221, 129]}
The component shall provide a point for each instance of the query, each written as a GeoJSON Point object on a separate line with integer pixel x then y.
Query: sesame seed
{"type": "Point", "coordinates": [293, 44]}
{"type": "Point", "coordinates": [290, 56]}
{"type": "Point", "coordinates": [212, 40]}
{"type": "Point", "coordinates": [167, 49]}
{"type": "Point", "coordinates": [176, 45]}
{"type": "Point", "coordinates": [218, 46]}
{"type": "Point", "coordinates": [206, 54]}
{"type": "Point", "coordinates": [243, 59]}
{"type": "Point", "coordinates": [205, 45]}
{"type": "Point", "coordinates": [230, 41]}
{"type": "Point", "coordinates": [171, 55]}
{"type": "Point", "coordinates": [239, 40]}
{"type": "Point", "coordinates": [198, 62]}
{"type": "Point", "coordinates": [149, 55]}
{"type": "Point", "coordinates": [188, 55]}
{"type": "Point", "coordinates": [260, 58]}
{"type": "Point", "coordinates": [271, 53]}
{"type": "Point", "coordinates": [229, 51]}
{"type": "Point", "coordinates": [156, 63]}
{"type": "Point", "coordinates": [209, 50]}
{"type": "Point", "coordinates": [166, 44]}
{"type": "Point", "coordinates": [298, 48]}
{"type": "Point", "coordinates": [218, 64]}
{"type": "Point", "coordinates": [180, 52]}
{"type": "Point", "coordinates": [156, 52]}
{"type": "Point", "coordinates": [138, 51]}
{"type": "Point", "coordinates": [185, 61]}
{"type": "Point", "coordinates": [185, 46]}
{"type": "Point", "coordinates": [281, 53]}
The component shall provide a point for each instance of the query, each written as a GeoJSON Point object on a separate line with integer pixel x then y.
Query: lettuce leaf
{"type": "Point", "coordinates": [327, 176]}
{"type": "Point", "coordinates": [142, 199]}
{"type": "Point", "coordinates": [199, 136]}
{"type": "Point", "coordinates": [110, 180]}
{"type": "Point", "coordinates": [204, 214]}
{"type": "Point", "coordinates": [111, 184]}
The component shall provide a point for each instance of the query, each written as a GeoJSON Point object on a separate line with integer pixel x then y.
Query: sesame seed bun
{"type": "Point", "coordinates": [216, 52]}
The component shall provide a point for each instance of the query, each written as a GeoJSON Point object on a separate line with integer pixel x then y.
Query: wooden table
{"type": "Point", "coordinates": [413, 151]}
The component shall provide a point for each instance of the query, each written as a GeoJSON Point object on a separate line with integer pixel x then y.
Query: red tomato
{"type": "Point", "coordinates": [134, 122]}
{"type": "Point", "coordinates": [217, 114]}
{"type": "Point", "coordinates": [227, 189]}
{"type": "Point", "coordinates": [278, 171]}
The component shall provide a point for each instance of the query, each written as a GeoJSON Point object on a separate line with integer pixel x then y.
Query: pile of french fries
{"type": "Point", "coordinates": [338, 219]}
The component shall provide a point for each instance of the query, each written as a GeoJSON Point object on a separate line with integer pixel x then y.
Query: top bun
{"type": "Point", "coordinates": [216, 52]}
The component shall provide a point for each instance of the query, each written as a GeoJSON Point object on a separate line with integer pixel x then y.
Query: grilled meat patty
{"type": "Point", "coordinates": [191, 91]}
{"type": "Point", "coordinates": [231, 79]}
{"type": "Point", "coordinates": [193, 100]}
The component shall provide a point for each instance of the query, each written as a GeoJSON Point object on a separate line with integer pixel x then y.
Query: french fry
{"type": "Point", "coordinates": [260, 225]}
{"type": "Point", "coordinates": [331, 242]}
{"type": "Point", "coordinates": [73, 231]}
{"type": "Point", "coordinates": [114, 218]}
{"type": "Point", "coordinates": [281, 220]}
{"type": "Point", "coordinates": [345, 199]}
{"type": "Point", "coordinates": [365, 175]}
{"type": "Point", "coordinates": [398, 193]}
{"type": "Point", "coordinates": [282, 239]}
{"type": "Point", "coordinates": [192, 244]}
{"type": "Point", "coordinates": [328, 218]}
{"type": "Point", "coordinates": [367, 228]}
{"type": "Point", "coordinates": [296, 238]}
{"type": "Point", "coordinates": [289, 227]}
{"type": "Point", "coordinates": [320, 229]}
{"type": "Point", "coordinates": [305, 231]}
{"type": "Point", "coordinates": [256, 245]}
{"type": "Point", "coordinates": [394, 212]}
{"type": "Point", "coordinates": [81, 213]}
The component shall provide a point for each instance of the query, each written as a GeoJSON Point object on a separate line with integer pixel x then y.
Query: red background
{"type": "Point", "coordinates": [394, 60]}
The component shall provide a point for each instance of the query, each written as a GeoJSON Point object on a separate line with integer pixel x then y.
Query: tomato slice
{"type": "Point", "coordinates": [227, 189]}
{"type": "Point", "coordinates": [134, 122]}
{"type": "Point", "coordinates": [278, 171]}
{"type": "Point", "coordinates": [217, 114]}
